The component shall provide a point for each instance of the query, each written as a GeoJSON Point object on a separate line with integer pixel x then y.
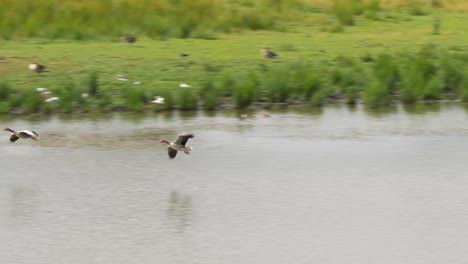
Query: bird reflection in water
{"type": "Point", "coordinates": [22, 204]}
{"type": "Point", "coordinates": [180, 210]}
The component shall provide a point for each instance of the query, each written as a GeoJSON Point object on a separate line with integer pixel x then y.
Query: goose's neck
{"type": "Point", "coordinates": [9, 129]}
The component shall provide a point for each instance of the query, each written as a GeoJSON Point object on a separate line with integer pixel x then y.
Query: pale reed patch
{"type": "Point", "coordinates": [449, 4]}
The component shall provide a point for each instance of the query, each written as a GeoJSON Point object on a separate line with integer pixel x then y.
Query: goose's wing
{"type": "Point", "coordinates": [171, 152]}
{"type": "Point", "coordinates": [13, 138]}
{"type": "Point", "coordinates": [182, 139]}
{"type": "Point", "coordinates": [28, 133]}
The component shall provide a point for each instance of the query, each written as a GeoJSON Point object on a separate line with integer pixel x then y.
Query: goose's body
{"type": "Point", "coordinates": [51, 99]}
{"type": "Point", "coordinates": [178, 145]}
{"type": "Point", "coordinates": [43, 90]}
{"type": "Point", "coordinates": [36, 67]}
{"type": "Point", "coordinates": [267, 53]}
{"type": "Point", "coordinates": [129, 39]}
{"type": "Point", "coordinates": [158, 100]}
{"type": "Point", "coordinates": [22, 134]}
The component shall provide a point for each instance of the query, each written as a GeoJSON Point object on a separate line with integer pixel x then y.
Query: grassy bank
{"type": "Point", "coordinates": [394, 55]}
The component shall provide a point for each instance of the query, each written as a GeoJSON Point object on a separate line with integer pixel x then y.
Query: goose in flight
{"type": "Point", "coordinates": [22, 134]}
{"type": "Point", "coordinates": [179, 144]}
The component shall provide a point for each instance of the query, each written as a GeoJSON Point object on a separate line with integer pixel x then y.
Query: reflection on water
{"type": "Point", "coordinates": [341, 185]}
{"type": "Point", "coordinates": [22, 204]}
{"type": "Point", "coordinates": [179, 210]}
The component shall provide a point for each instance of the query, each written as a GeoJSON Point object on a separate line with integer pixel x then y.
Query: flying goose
{"type": "Point", "coordinates": [22, 134]}
{"type": "Point", "coordinates": [179, 144]}
{"type": "Point", "coordinates": [267, 53]}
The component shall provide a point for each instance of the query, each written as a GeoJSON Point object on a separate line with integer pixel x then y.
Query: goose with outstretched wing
{"type": "Point", "coordinates": [178, 145]}
{"type": "Point", "coordinates": [22, 134]}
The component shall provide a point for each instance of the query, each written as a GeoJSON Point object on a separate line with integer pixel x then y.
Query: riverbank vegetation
{"type": "Point", "coordinates": [351, 51]}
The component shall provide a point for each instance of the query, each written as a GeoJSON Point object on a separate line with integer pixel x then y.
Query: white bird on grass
{"type": "Point", "coordinates": [122, 78]}
{"type": "Point", "coordinates": [43, 90]}
{"type": "Point", "coordinates": [184, 85]}
{"type": "Point", "coordinates": [158, 100]}
{"type": "Point", "coordinates": [51, 99]}
{"type": "Point", "coordinates": [36, 67]}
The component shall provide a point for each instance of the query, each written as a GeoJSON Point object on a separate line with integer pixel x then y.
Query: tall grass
{"type": "Point", "coordinates": [344, 12]}
{"type": "Point", "coordinates": [79, 20]}
{"type": "Point", "coordinates": [31, 101]}
{"type": "Point", "coordinates": [187, 100]}
{"type": "Point", "coordinates": [210, 94]}
{"type": "Point", "coordinates": [93, 83]}
{"type": "Point", "coordinates": [5, 90]}
{"type": "Point", "coordinates": [376, 94]}
{"type": "Point", "coordinates": [276, 84]}
{"type": "Point", "coordinates": [246, 91]}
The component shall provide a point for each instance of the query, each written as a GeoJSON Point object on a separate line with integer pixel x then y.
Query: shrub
{"type": "Point", "coordinates": [93, 83]}
{"type": "Point", "coordinates": [343, 10]}
{"type": "Point", "coordinates": [5, 107]}
{"type": "Point", "coordinates": [376, 94]}
{"type": "Point", "coordinates": [210, 94]}
{"type": "Point", "coordinates": [464, 86]}
{"type": "Point", "coordinates": [276, 86]}
{"type": "Point", "coordinates": [32, 101]}
{"type": "Point", "coordinates": [412, 83]}
{"type": "Point", "coordinates": [5, 90]}
{"type": "Point", "coordinates": [227, 83]}
{"type": "Point", "coordinates": [187, 100]}
{"type": "Point", "coordinates": [451, 71]}
{"type": "Point", "coordinates": [317, 99]}
{"type": "Point", "coordinates": [135, 99]}
{"type": "Point", "coordinates": [433, 89]}
{"type": "Point", "coordinates": [245, 91]}
{"type": "Point", "coordinates": [386, 70]}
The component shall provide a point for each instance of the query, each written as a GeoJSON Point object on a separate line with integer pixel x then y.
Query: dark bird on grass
{"type": "Point", "coordinates": [183, 55]}
{"type": "Point", "coordinates": [178, 145]}
{"type": "Point", "coordinates": [36, 67]}
{"type": "Point", "coordinates": [267, 53]}
{"type": "Point", "coordinates": [129, 39]}
{"type": "Point", "coordinates": [22, 134]}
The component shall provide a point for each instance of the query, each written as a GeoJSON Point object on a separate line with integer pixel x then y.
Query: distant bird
{"type": "Point", "coordinates": [22, 134]}
{"type": "Point", "coordinates": [158, 100]}
{"type": "Point", "coordinates": [178, 145]}
{"type": "Point", "coordinates": [122, 78]}
{"type": "Point", "coordinates": [129, 39]}
{"type": "Point", "coordinates": [51, 99]}
{"type": "Point", "coordinates": [243, 117]}
{"type": "Point", "coordinates": [184, 85]}
{"type": "Point", "coordinates": [267, 53]}
{"type": "Point", "coordinates": [36, 67]}
{"type": "Point", "coordinates": [184, 55]}
{"type": "Point", "coordinates": [43, 90]}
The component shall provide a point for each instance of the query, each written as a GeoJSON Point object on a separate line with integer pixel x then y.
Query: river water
{"type": "Point", "coordinates": [341, 185]}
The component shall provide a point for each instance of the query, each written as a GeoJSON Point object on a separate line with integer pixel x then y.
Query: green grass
{"type": "Point", "coordinates": [388, 56]}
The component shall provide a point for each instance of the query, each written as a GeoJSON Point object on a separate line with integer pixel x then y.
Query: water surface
{"type": "Point", "coordinates": [342, 185]}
